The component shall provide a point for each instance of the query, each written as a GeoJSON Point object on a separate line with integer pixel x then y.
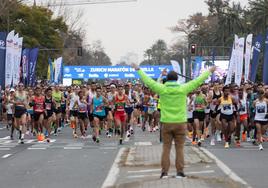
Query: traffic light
{"type": "Point", "coordinates": [79, 51]}
{"type": "Point", "coordinates": [193, 49]}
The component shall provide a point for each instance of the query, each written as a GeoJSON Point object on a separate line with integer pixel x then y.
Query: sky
{"type": "Point", "coordinates": [131, 28]}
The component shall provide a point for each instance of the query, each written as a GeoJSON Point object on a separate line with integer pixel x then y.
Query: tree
{"type": "Point", "coordinates": [258, 15]}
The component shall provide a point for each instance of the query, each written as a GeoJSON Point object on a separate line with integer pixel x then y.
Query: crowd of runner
{"type": "Point", "coordinates": [221, 114]}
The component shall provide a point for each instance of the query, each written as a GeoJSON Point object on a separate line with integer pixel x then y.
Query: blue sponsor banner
{"type": "Point", "coordinates": [32, 66]}
{"type": "Point", "coordinates": [256, 55]}
{"type": "Point", "coordinates": [3, 36]}
{"type": "Point", "coordinates": [265, 64]}
{"type": "Point", "coordinates": [197, 66]}
{"type": "Point", "coordinates": [111, 72]}
{"type": "Point", "coordinates": [25, 64]}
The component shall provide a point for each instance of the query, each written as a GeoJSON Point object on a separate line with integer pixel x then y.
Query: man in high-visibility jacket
{"type": "Point", "coordinates": [173, 114]}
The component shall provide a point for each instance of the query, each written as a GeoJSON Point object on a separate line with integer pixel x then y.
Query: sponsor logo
{"type": "Point", "coordinates": [67, 70]}
{"type": "Point", "coordinates": [130, 75]}
{"type": "Point", "coordinates": [93, 75]}
{"type": "Point", "coordinates": [67, 75]}
{"type": "Point", "coordinates": [81, 75]}
{"type": "Point", "coordinates": [2, 43]}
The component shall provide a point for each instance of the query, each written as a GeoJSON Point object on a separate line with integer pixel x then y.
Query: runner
{"type": "Point", "coordinates": [20, 112]}
{"type": "Point", "coordinates": [57, 97]}
{"type": "Point", "coordinates": [82, 114]}
{"type": "Point", "coordinates": [261, 119]}
{"type": "Point", "coordinates": [120, 116]}
{"type": "Point", "coordinates": [199, 115]}
{"type": "Point", "coordinates": [72, 98]}
{"type": "Point", "coordinates": [227, 115]}
{"type": "Point", "coordinates": [50, 116]}
{"type": "Point", "coordinates": [38, 103]}
{"type": "Point", "coordinates": [98, 110]}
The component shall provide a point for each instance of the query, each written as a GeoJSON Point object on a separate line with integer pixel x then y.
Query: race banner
{"type": "Point", "coordinates": [232, 65]}
{"type": "Point", "coordinates": [9, 58]}
{"type": "Point", "coordinates": [24, 65]}
{"type": "Point", "coordinates": [248, 56]}
{"type": "Point", "coordinates": [3, 36]}
{"type": "Point", "coordinates": [265, 64]}
{"type": "Point", "coordinates": [256, 55]}
{"type": "Point", "coordinates": [58, 67]}
{"type": "Point", "coordinates": [239, 61]}
{"type": "Point", "coordinates": [32, 66]}
{"type": "Point", "coordinates": [213, 63]}
{"type": "Point", "coordinates": [112, 72]}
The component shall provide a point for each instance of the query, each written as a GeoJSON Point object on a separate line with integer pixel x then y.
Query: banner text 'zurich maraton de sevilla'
{"type": "Point", "coordinates": [111, 72]}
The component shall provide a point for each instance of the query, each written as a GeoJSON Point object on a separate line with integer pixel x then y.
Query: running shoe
{"type": "Point", "coordinates": [156, 128]}
{"type": "Point", "coordinates": [21, 141]}
{"type": "Point", "coordinates": [218, 135]}
{"type": "Point", "coordinates": [237, 143]}
{"type": "Point", "coordinates": [163, 175]}
{"type": "Point", "coordinates": [143, 128]}
{"type": "Point", "coordinates": [212, 142]}
{"type": "Point", "coordinates": [131, 130]}
{"type": "Point", "coordinates": [194, 143]}
{"type": "Point", "coordinates": [226, 146]}
{"type": "Point", "coordinates": [97, 140]}
{"type": "Point", "coordinates": [244, 137]}
{"type": "Point", "coordinates": [11, 137]}
{"type": "Point", "coordinates": [48, 140]}
{"type": "Point", "coordinates": [107, 133]}
{"type": "Point", "coordinates": [128, 134]}
{"type": "Point", "coordinates": [94, 138]}
{"type": "Point", "coordinates": [199, 143]}
{"type": "Point", "coordinates": [121, 141]}
{"type": "Point", "coordinates": [248, 139]}
{"type": "Point", "coordinates": [202, 138]}
{"type": "Point", "coordinates": [180, 175]}
{"type": "Point", "coordinates": [260, 147]}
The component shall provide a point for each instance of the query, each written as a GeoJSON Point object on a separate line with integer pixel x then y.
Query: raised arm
{"type": "Point", "coordinates": [153, 85]}
{"type": "Point", "coordinates": [194, 84]}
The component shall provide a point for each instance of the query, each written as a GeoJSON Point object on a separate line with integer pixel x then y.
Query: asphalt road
{"type": "Point", "coordinates": [247, 162]}
{"type": "Point", "coordinates": [66, 162]}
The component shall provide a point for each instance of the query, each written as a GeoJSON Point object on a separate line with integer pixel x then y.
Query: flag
{"type": "Point", "coordinates": [24, 65]}
{"type": "Point", "coordinates": [197, 66]}
{"type": "Point", "coordinates": [232, 66]}
{"type": "Point", "coordinates": [3, 36]}
{"type": "Point", "coordinates": [183, 70]}
{"type": "Point", "coordinates": [17, 60]}
{"type": "Point", "coordinates": [9, 58]}
{"type": "Point", "coordinates": [213, 63]}
{"type": "Point", "coordinates": [248, 56]}
{"type": "Point", "coordinates": [176, 67]}
{"type": "Point", "coordinates": [32, 66]}
{"type": "Point", "coordinates": [239, 61]}
{"type": "Point", "coordinates": [58, 65]}
{"type": "Point", "coordinates": [256, 55]}
{"type": "Point", "coordinates": [265, 64]}
{"type": "Point", "coordinates": [49, 70]}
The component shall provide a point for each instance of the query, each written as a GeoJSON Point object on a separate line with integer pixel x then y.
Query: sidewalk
{"type": "Point", "coordinates": [140, 167]}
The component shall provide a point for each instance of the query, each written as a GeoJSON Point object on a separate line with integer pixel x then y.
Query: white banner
{"type": "Point", "coordinates": [239, 61]}
{"type": "Point", "coordinates": [232, 65]}
{"type": "Point", "coordinates": [176, 67]}
{"type": "Point", "coordinates": [9, 58]}
{"type": "Point", "coordinates": [183, 70]}
{"type": "Point", "coordinates": [248, 56]}
{"type": "Point", "coordinates": [17, 60]}
{"type": "Point", "coordinates": [58, 64]}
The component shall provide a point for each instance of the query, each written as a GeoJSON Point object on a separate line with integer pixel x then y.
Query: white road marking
{"type": "Point", "coordinates": [144, 171]}
{"type": "Point", "coordinates": [143, 176]}
{"type": "Point", "coordinates": [89, 136]}
{"type": "Point", "coordinates": [232, 175]}
{"type": "Point", "coordinates": [201, 172]}
{"type": "Point", "coordinates": [114, 171]}
{"type": "Point", "coordinates": [5, 138]}
{"type": "Point", "coordinates": [6, 156]}
{"type": "Point", "coordinates": [34, 148]}
{"type": "Point", "coordinates": [4, 149]}
{"type": "Point", "coordinates": [1, 128]}
{"type": "Point", "coordinates": [143, 143]}
{"type": "Point", "coordinates": [29, 141]}
{"type": "Point", "coordinates": [70, 147]}
{"type": "Point", "coordinates": [7, 141]}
